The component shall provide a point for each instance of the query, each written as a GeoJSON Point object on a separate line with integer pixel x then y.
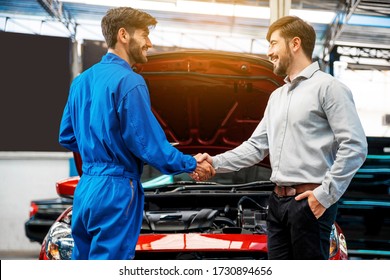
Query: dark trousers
{"type": "Point", "coordinates": [294, 233]}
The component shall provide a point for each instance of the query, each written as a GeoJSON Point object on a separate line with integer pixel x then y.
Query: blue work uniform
{"type": "Point", "coordinates": [109, 121]}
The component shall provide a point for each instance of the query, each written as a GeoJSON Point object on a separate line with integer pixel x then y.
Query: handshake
{"type": "Point", "coordinates": [204, 169]}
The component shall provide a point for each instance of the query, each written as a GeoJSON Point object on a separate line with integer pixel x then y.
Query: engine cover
{"type": "Point", "coordinates": [178, 221]}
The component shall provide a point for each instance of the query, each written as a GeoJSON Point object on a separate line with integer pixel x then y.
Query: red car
{"type": "Point", "coordinates": [205, 102]}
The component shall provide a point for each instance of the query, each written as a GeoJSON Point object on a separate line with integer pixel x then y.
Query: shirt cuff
{"type": "Point", "coordinates": [216, 162]}
{"type": "Point", "coordinates": [322, 197]}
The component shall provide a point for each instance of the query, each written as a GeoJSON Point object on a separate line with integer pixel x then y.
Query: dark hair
{"type": "Point", "coordinates": [292, 26]}
{"type": "Point", "coordinates": [125, 17]}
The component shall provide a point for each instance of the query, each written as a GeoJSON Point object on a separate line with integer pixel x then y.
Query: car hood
{"type": "Point", "coordinates": [208, 101]}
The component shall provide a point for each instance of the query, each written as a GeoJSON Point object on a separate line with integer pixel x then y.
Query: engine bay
{"type": "Point", "coordinates": [206, 210]}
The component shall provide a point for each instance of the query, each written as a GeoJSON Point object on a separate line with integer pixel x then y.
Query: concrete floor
{"type": "Point", "coordinates": [19, 255]}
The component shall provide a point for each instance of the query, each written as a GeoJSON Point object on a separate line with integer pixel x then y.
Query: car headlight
{"type": "Point", "coordinates": [59, 242]}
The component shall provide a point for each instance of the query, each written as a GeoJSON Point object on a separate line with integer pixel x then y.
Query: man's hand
{"type": "Point", "coordinates": [315, 206]}
{"type": "Point", "coordinates": [204, 157]}
{"type": "Point", "coordinates": [204, 169]}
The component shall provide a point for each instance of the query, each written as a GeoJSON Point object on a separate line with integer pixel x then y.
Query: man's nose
{"type": "Point", "coordinates": [149, 43]}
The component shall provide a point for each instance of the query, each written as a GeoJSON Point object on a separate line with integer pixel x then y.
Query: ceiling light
{"type": "Point", "coordinates": [211, 8]}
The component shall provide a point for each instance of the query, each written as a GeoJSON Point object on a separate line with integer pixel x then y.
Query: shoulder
{"type": "Point", "coordinates": [325, 78]}
{"type": "Point", "coordinates": [132, 81]}
{"type": "Point", "coordinates": [329, 85]}
{"type": "Point", "coordinates": [80, 78]}
{"type": "Point", "coordinates": [132, 86]}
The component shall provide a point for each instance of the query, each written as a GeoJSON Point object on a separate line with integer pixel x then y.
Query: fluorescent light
{"type": "Point", "coordinates": [314, 16]}
{"type": "Point", "coordinates": [184, 6]}
{"type": "Point", "coordinates": [211, 8]}
{"type": "Point", "coordinates": [137, 4]}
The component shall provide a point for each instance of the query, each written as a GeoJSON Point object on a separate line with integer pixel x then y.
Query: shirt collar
{"type": "Point", "coordinates": [113, 58]}
{"type": "Point", "coordinates": [306, 73]}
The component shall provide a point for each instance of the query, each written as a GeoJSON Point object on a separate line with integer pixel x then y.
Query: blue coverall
{"type": "Point", "coordinates": [108, 120]}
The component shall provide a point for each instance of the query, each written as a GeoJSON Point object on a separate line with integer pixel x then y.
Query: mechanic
{"type": "Point", "coordinates": [316, 143]}
{"type": "Point", "coordinates": [108, 120]}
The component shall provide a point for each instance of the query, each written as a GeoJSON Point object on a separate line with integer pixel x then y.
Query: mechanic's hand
{"type": "Point", "coordinates": [315, 206]}
{"type": "Point", "coordinates": [204, 169]}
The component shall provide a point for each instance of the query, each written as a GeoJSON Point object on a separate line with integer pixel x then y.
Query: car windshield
{"type": "Point", "coordinates": [151, 177]}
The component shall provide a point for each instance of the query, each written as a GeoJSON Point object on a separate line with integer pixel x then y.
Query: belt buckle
{"type": "Point", "coordinates": [291, 191]}
{"type": "Point", "coordinates": [284, 191]}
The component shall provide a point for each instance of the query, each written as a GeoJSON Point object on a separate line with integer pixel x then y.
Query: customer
{"type": "Point", "coordinates": [108, 120]}
{"type": "Point", "coordinates": [315, 141]}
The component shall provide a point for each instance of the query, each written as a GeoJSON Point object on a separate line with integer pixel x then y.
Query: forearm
{"type": "Point", "coordinates": [245, 155]}
{"type": "Point", "coordinates": [351, 153]}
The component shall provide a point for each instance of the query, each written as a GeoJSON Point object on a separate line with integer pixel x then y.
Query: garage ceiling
{"type": "Point", "coordinates": [356, 30]}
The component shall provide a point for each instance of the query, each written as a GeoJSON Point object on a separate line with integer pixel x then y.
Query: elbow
{"type": "Point", "coordinates": [365, 153]}
{"type": "Point", "coordinates": [364, 149]}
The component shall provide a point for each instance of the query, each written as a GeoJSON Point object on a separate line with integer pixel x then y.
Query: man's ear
{"type": "Point", "coordinates": [123, 36]}
{"type": "Point", "coordinates": [295, 43]}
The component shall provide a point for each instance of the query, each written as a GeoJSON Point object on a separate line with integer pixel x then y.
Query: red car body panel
{"type": "Point", "coordinates": [201, 242]}
{"type": "Point", "coordinates": [66, 187]}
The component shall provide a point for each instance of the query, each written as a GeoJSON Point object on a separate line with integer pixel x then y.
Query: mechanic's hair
{"type": "Point", "coordinates": [126, 17]}
{"type": "Point", "coordinates": [292, 26]}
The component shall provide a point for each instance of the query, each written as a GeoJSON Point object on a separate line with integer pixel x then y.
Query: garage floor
{"type": "Point", "coordinates": [18, 255]}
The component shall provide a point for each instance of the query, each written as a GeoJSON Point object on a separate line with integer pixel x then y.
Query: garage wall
{"type": "Point", "coordinates": [34, 89]}
{"type": "Point", "coordinates": [25, 176]}
{"type": "Point", "coordinates": [35, 80]}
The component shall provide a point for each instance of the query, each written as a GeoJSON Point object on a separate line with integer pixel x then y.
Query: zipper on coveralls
{"type": "Point", "coordinates": [132, 197]}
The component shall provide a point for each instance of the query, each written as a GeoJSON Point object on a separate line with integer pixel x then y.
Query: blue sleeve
{"type": "Point", "coordinates": [66, 136]}
{"type": "Point", "coordinates": [144, 136]}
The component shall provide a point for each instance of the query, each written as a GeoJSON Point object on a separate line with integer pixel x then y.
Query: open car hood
{"type": "Point", "coordinates": [208, 101]}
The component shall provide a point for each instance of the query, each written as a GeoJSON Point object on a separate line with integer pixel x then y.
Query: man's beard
{"type": "Point", "coordinates": [135, 51]}
{"type": "Point", "coordinates": [284, 64]}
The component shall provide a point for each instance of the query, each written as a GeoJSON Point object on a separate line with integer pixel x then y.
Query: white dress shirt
{"type": "Point", "coordinates": [312, 133]}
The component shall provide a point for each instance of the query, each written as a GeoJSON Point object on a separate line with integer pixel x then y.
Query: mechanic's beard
{"type": "Point", "coordinates": [135, 51]}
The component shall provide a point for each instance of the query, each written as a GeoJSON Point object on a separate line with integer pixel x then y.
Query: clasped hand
{"type": "Point", "coordinates": [204, 168]}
